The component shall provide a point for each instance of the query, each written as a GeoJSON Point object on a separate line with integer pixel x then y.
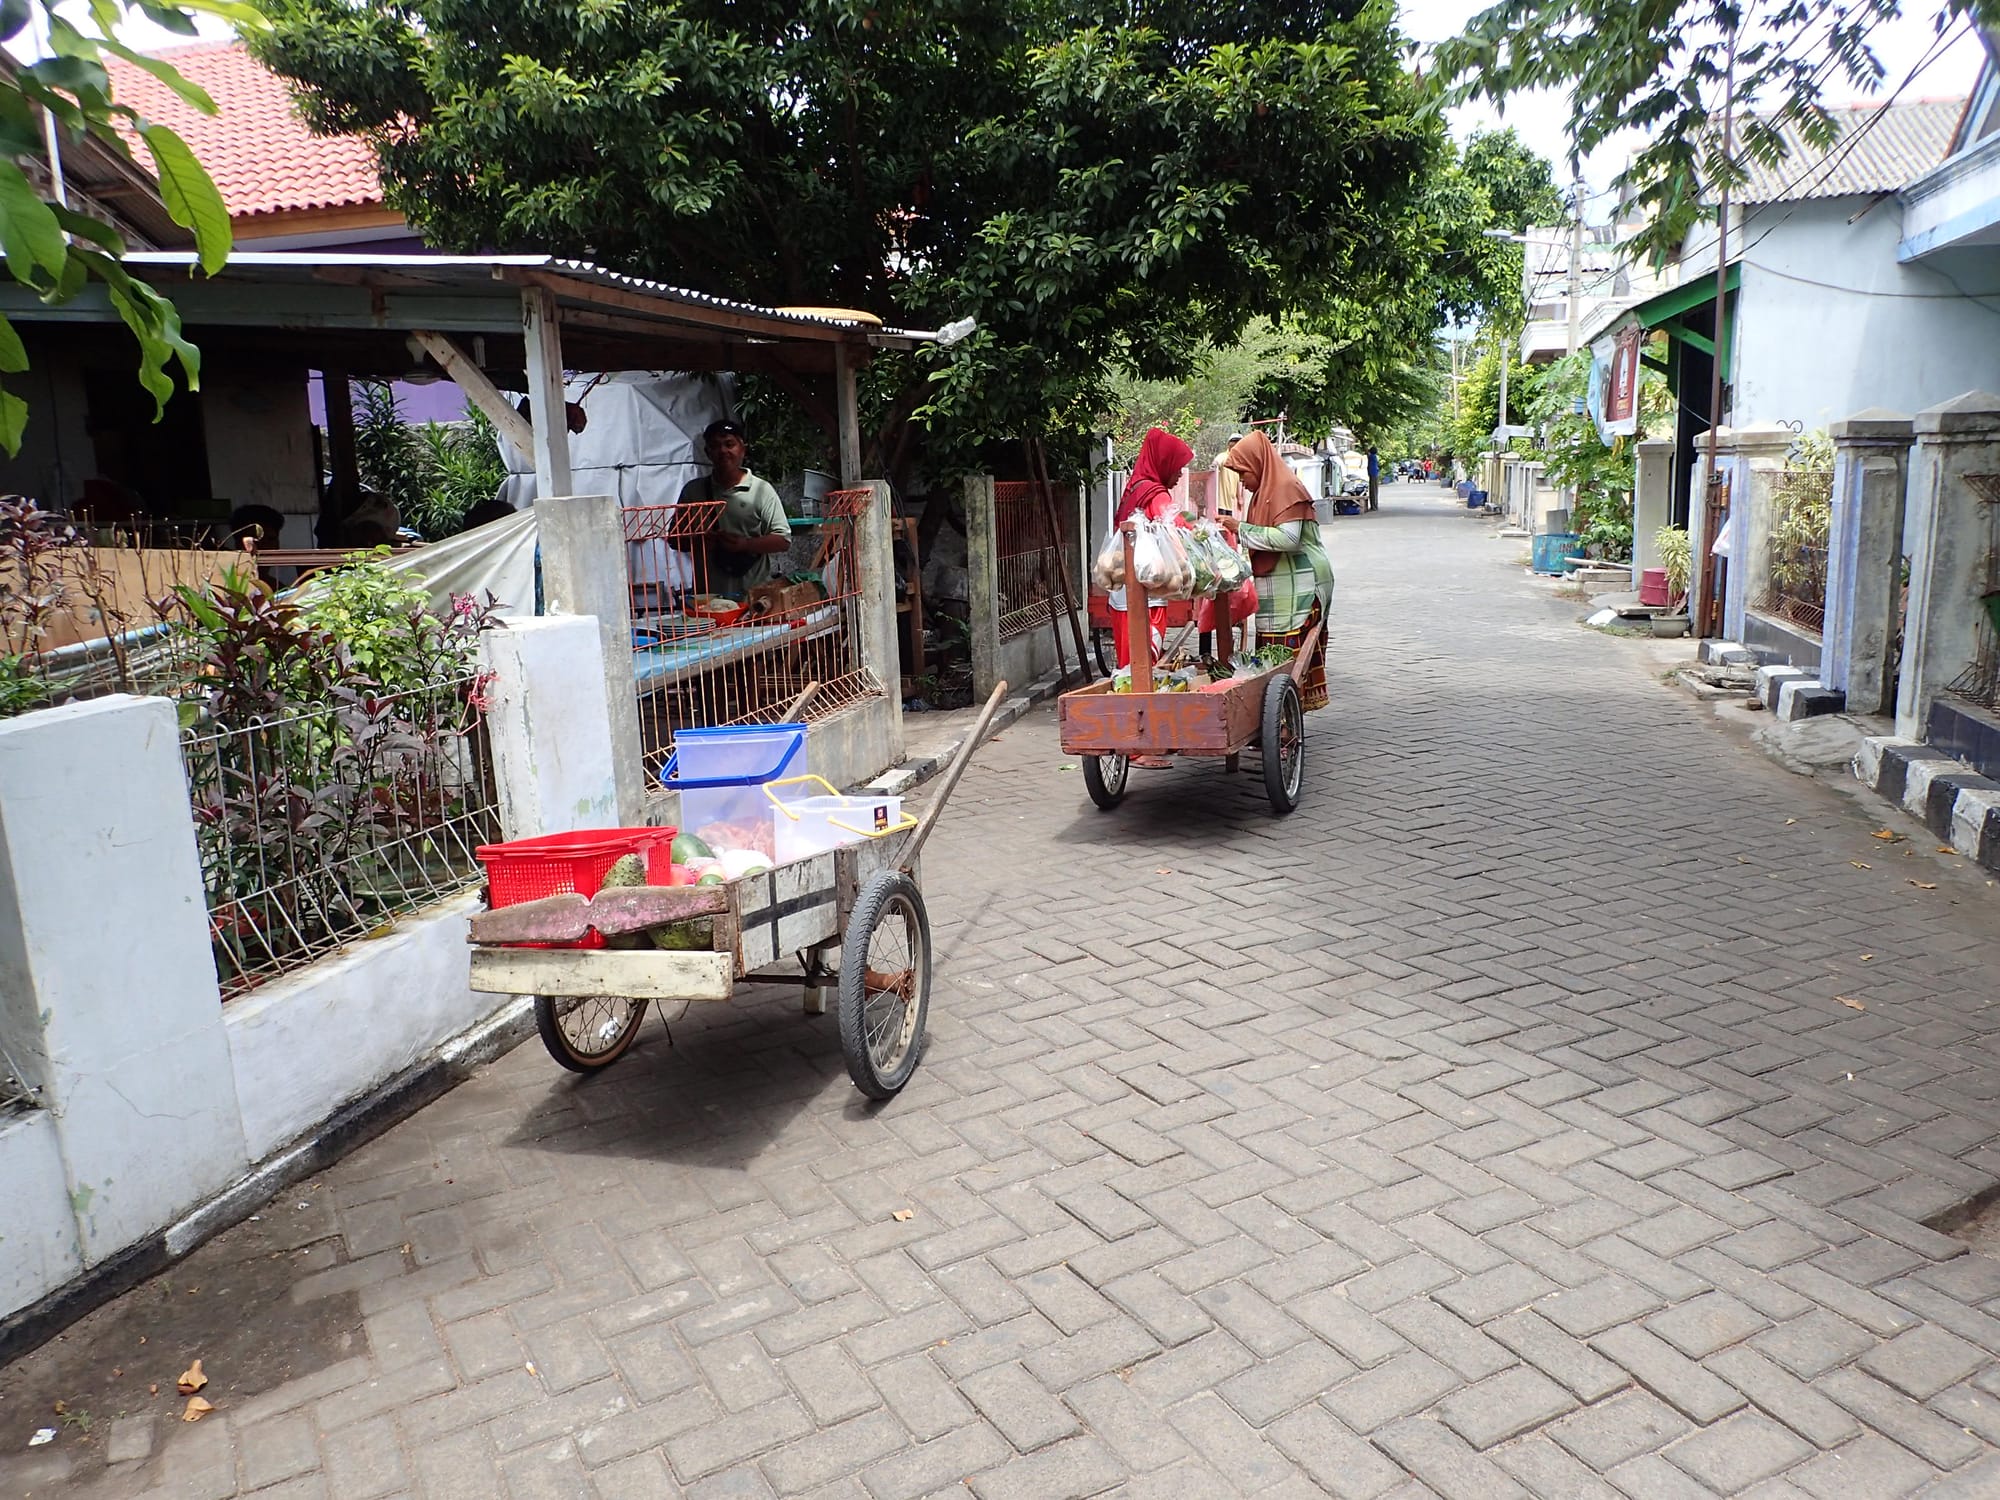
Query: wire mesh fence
{"type": "Point", "coordinates": [1030, 555]}
{"type": "Point", "coordinates": [322, 827]}
{"type": "Point", "coordinates": [16, 1093]}
{"type": "Point", "coordinates": [703, 658]}
{"type": "Point", "coordinates": [1797, 587]}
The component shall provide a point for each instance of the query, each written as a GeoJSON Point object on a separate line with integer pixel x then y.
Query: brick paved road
{"type": "Point", "coordinates": [1490, 1128]}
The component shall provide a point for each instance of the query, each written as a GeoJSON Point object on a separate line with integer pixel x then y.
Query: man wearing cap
{"type": "Point", "coordinates": [749, 533]}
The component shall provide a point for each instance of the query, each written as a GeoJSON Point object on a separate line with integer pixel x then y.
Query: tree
{"type": "Point", "coordinates": [1100, 186]}
{"type": "Point", "coordinates": [1660, 69]}
{"type": "Point", "coordinates": [55, 250]}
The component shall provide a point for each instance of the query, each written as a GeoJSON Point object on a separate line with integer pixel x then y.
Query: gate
{"type": "Point", "coordinates": [1714, 570]}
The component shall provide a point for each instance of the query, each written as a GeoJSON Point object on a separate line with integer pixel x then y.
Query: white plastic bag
{"type": "Point", "coordinates": [1108, 572]}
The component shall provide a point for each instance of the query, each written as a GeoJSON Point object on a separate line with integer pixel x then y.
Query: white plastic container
{"type": "Point", "coordinates": [720, 773]}
{"type": "Point", "coordinates": [804, 826]}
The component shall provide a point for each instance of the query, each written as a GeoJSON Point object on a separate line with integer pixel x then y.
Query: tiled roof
{"type": "Point", "coordinates": [1881, 147]}
{"type": "Point", "coordinates": [256, 146]}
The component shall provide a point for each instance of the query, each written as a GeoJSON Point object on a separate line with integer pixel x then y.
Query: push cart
{"type": "Point", "coordinates": [853, 916]}
{"type": "Point", "coordinates": [1102, 612]}
{"type": "Point", "coordinates": [1262, 710]}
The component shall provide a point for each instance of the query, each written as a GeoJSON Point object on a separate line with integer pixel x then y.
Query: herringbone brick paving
{"type": "Point", "coordinates": [1494, 1126]}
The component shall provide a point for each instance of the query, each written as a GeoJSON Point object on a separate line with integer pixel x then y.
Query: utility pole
{"type": "Point", "coordinates": [1721, 251]}
{"type": "Point", "coordinates": [1576, 264]}
{"type": "Point", "coordinates": [1506, 359]}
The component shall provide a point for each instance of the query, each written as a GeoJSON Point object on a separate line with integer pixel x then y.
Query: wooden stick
{"type": "Point", "coordinates": [1138, 621]}
{"type": "Point", "coordinates": [1041, 459]}
{"type": "Point", "coordinates": [1048, 575]}
{"type": "Point", "coordinates": [799, 703]}
{"type": "Point", "coordinates": [958, 764]}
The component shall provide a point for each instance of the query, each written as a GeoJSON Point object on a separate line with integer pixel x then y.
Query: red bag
{"type": "Point", "coordinates": [1242, 605]}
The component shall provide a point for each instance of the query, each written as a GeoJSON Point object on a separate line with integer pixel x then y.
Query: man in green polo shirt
{"type": "Point", "coordinates": [750, 534]}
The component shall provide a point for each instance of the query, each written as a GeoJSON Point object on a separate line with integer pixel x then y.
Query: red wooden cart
{"type": "Point", "coordinates": [1263, 711]}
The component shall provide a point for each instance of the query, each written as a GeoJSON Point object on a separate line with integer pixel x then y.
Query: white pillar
{"type": "Point", "coordinates": [1864, 560]}
{"type": "Point", "coordinates": [550, 725]}
{"type": "Point", "coordinates": [1753, 457]}
{"type": "Point", "coordinates": [1952, 534]}
{"type": "Point", "coordinates": [1652, 501]}
{"type": "Point", "coordinates": [876, 556]}
{"type": "Point", "coordinates": [541, 330]}
{"type": "Point", "coordinates": [982, 583]}
{"type": "Point", "coordinates": [584, 573]}
{"type": "Point", "coordinates": [108, 995]}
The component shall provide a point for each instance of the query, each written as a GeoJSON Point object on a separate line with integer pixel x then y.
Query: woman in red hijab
{"type": "Point", "coordinates": [1149, 492]}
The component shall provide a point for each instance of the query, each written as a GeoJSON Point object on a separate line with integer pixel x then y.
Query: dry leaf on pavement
{"type": "Point", "coordinates": [1850, 1002]}
{"type": "Point", "coordinates": [191, 1379]}
{"type": "Point", "coordinates": [1859, 865]}
{"type": "Point", "coordinates": [1888, 835]}
{"type": "Point", "coordinates": [902, 1215]}
{"type": "Point", "coordinates": [1924, 885]}
{"type": "Point", "coordinates": [197, 1408]}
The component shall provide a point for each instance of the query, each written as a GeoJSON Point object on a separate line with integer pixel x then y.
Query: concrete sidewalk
{"type": "Point", "coordinates": [1556, 1104]}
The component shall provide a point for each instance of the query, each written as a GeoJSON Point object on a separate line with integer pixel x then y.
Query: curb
{"type": "Point", "coordinates": [914, 773]}
{"type": "Point", "coordinates": [1956, 803]}
{"type": "Point", "coordinates": [1791, 693]}
{"type": "Point", "coordinates": [358, 1122]}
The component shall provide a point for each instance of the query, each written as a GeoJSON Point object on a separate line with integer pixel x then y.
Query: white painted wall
{"type": "Point", "coordinates": [304, 1045]}
{"type": "Point", "coordinates": [1831, 323]}
{"type": "Point", "coordinates": [550, 725]}
{"type": "Point", "coordinates": [38, 1249]}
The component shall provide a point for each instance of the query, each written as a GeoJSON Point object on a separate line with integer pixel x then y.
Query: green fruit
{"type": "Point", "coordinates": [712, 878]}
{"type": "Point", "coordinates": [680, 937]}
{"type": "Point", "coordinates": [629, 870]}
{"type": "Point", "coordinates": [688, 847]}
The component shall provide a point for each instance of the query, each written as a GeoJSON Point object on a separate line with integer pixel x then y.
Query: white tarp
{"type": "Point", "coordinates": [497, 558]}
{"type": "Point", "coordinates": [642, 444]}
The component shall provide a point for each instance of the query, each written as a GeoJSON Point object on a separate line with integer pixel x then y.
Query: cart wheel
{"type": "Point", "coordinates": [1104, 777]}
{"type": "Point", "coordinates": [1283, 743]}
{"type": "Point", "coordinates": [885, 984]}
{"type": "Point", "coordinates": [587, 1032]}
{"type": "Point", "coordinates": [1101, 647]}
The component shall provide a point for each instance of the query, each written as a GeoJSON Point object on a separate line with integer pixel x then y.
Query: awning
{"type": "Point", "coordinates": [1664, 311]}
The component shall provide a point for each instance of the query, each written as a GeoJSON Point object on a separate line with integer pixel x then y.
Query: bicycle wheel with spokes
{"type": "Point", "coordinates": [1282, 742]}
{"type": "Point", "coordinates": [885, 984]}
{"type": "Point", "coordinates": [587, 1032]}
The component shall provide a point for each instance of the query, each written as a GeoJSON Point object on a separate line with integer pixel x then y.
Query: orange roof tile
{"type": "Point", "coordinates": [256, 146]}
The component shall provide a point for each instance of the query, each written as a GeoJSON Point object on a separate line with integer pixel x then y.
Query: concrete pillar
{"type": "Point", "coordinates": [1753, 457]}
{"type": "Point", "coordinates": [1952, 533]}
{"type": "Point", "coordinates": [875, 546]}
{"type": "Point", "coordinates": [1864, 558]}
{"type": "Point", "coordinates": [982, 587]}
{"type": "Point", "coordinates": [1652, 501]}
{"type": "Point", "coordinates": [108, 995]}
{"type": "Point", "coordinates": [584, 573]}
{"type": "Point", "coordinates": [541, 331]}
{"type": "Point", "coordinates": [550, 726]}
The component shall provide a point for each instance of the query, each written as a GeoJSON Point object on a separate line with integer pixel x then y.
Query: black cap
{"type": "Point", "coordinates": [724, 428]}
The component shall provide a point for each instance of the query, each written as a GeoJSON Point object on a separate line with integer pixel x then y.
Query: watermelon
{"type": "Point", "coordinates": [688, 848]}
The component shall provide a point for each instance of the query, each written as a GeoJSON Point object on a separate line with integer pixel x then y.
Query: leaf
{"type": "Point", "coordinates": [1889, 835]}
{"type": "Point", "coordinates": [1946, 849]}
{"type": "Point", "coordinates": [902, 1215]}
{"type": "Point", "coordinates": [191, 1379]}
{"type": "Point", "coordinates": [1850, 1002]}
{"type": "Point", "coordinates": [13, 16]}
{"type": "Point", "coordinates": [197, 1408]}
{"type": "Point", "coordinates": [1924, 885]}
{"type": "Point", "coordinates": [31, 237]}
{"type": "Point", "coordinates": [190, 195]}
{"type": "Point", "coordinates": [1859, 865]}
{"type": "Point", "coordinates": [195, 95]}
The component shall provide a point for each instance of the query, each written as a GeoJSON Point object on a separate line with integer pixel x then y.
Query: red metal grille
{"type": "Point", "coordinates": [697, 670]}
{"type": "Point", "coordinates": [1028, 557]}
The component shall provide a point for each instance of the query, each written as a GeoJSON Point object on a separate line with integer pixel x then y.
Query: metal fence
{"type": "Point", "coordinates": [1797, 587]}
{"type": "Point", "coordinates": [15, 1092]}
{"type": "Point", "coordinates": [697, 668]}
{"type": "Point", "coordinates": [323, 827]}
{"type": "Point", "coordinates": [1029, 557]}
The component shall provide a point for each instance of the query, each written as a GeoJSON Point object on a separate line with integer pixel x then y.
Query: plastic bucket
{"type": "Point", "coordinates": [721, 773]}
{"type": "Point", "coordinates": [1653, 587]}
{"type": "Point", "coordinates": [809, 825]}
{"type": "Point", "coordinates": [1548, 551]}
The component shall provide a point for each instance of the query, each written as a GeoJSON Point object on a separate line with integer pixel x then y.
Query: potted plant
{"type": "Point", "coordinates": [1677, 557]}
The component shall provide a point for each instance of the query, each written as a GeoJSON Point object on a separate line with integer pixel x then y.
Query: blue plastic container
{"type": "Point", "coordinates": [720, 773]}
{"type": "Point", "coordinates": [1474, 499]}
{"type": "Point", "coordinates": [1549, 549]}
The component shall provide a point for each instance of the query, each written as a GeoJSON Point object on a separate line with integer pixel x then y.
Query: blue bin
{"type": "Point", "coordinates": [720, 773]}
{"type": "Point", "coordinates": [1549, 550]}
{"type": "Point", "coordinates": [1475, 499]}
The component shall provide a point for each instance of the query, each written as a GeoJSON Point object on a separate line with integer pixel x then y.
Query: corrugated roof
{"type": "Point", "coordinates": [256, 146]}
{"type": "Point", "coordinates": [1881, 147]}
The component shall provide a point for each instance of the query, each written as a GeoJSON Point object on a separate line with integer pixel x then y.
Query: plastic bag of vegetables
{"type": "Point", "coordinates": [1160, 562]}
{"type": "Point", "coordinates": [1108, 571]}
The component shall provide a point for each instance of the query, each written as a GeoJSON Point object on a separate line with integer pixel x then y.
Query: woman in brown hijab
{"type": "Point", "coordinates": [1281, 533]}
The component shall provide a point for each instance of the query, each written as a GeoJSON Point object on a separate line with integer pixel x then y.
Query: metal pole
{"type": "Point", "coordinates": [1721, 257]}
{"type": "Point", "coordinates": [1506, 359]}
{"type": "Point", "coordinates": [1576, 269]}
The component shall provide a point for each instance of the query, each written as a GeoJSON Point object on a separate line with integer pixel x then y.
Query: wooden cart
{"type": "Point", "coordinates": [1264, 711]}
{"type": "Point", "coordinates": [853, 917]}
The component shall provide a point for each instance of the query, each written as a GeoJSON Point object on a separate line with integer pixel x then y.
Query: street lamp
{"type": "Point", "coordinates": [1506, 354]}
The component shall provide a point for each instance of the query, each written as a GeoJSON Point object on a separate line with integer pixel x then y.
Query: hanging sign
{"type": "Point", "coordinates": [1621, 385]}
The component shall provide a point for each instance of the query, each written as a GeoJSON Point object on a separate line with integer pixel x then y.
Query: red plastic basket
{"type": "Point", "coordinates": [556, 863]}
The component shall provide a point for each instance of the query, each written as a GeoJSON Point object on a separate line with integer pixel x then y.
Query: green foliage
{"type": "Point", "coordinates": [434, 473]}
{"type": "Point", "coordinates": [1802, 501]}
{"type": "Point", "coordinates": [1479, 397]}
{"type": "Point", "coordinates": [1103, 187]}
{"type": "Point", "coordinates": [1676, 556]}
{"type": "Point", "coordinates": [54, 250]}
{"type": "Point", "coordinates": [1657, 70]}
{"type": "Point", "coordinates": [1252, 377]}
{"type": "Point", "coordinates": [1574, 457]}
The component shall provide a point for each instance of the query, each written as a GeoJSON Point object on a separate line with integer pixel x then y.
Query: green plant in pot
{"type": "Point", "coordinates": [1677, 557]}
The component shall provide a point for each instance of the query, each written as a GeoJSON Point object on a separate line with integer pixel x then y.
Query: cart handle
{"type": "Point", "coordinates": [957, 769]}
{"type": "Point", "coordinates": [770, 790]}
{"type": "Point", "coordinates": [909, 822]}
